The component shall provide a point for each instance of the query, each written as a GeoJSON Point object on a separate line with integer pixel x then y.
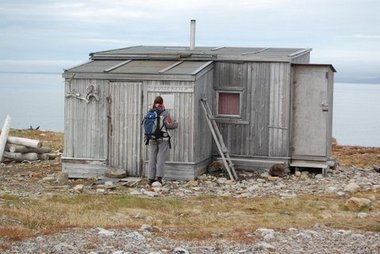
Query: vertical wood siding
{"type": "Point", "coordinates": [126, 135]}
{"type": "Point", "coordinates": [258, 103]}
{"type": "Point", "coordinates": [279, 110]}
{"type": "Point", "coordinates": [263, 129]}
{"type": "Point", "coordinates": [203, 138]}
{"type": "Point", "coordinates": [230, 75]}
{"type": "Point", "coordinates": [183, 112]}
{"type": "Point", "coordinates": [85, 123]}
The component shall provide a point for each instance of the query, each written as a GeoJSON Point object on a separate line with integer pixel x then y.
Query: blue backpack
{"type": "Point", "coordinates": [151, 125]}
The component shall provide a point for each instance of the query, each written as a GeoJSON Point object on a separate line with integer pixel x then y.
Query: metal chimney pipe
{"type": "Point", "coordinates": [192, 34]}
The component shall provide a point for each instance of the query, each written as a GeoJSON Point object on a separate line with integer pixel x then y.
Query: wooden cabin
{"type": "Point", "coordinates": [271, 106]}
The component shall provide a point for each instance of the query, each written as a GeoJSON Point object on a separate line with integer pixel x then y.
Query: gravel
{"type": "Point", "coordinates": [115, 241]}
{"type": "Point", "coordinates": [319, 239]}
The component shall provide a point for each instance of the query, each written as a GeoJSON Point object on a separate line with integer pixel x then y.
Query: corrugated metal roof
{"type": "Point", "coordinates": [202, 53]}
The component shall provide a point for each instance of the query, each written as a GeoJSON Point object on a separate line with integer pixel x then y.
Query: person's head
{"type": "Point", "coordinates": [158, 100]}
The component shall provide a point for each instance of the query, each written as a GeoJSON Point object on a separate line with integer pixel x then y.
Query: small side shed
{"type": "Point", "coordinates": [270, 104]}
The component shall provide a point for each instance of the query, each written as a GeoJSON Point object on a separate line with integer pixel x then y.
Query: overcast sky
{"type": "Point", "coordinates": [49, 35]}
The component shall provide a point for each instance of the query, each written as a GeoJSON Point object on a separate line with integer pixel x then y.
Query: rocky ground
{"type": "Point", "coordinates": [34, 180]}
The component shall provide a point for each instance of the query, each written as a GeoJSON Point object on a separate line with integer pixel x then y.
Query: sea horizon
{"type": "Point", "coordinates": [36, 99]}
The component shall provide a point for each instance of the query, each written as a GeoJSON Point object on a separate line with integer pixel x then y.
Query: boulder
{"type": "Point", "coordinates": [352, 187]}
{"type": "Point", "coordinates": [355, 204]}
{"type": "Point", "coordinates": [115, 173]}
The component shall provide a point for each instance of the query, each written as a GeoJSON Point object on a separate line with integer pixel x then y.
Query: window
{"type": "Point", "coordinates": [229, 104]}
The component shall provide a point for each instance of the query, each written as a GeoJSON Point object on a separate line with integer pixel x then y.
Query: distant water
{"type": "Point", "coordinates": [357, 114]}
{"type": "Point", "coordinates": [38, 100]}
{"type": "Point", "coordinates": [32, 100]}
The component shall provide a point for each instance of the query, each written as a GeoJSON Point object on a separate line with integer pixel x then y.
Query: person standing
{"type": "Point", "coordinates": [159, 147]}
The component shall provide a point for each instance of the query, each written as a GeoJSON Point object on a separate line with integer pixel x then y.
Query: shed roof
{"type": "Point", "coordinates": [176, 61]}
{"type": "Point", "coordinates": [202, 53]}
{"type": "Point", "coordinates": [152, 67]}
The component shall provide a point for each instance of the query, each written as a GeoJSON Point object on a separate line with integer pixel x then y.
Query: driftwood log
{"type": "Point", "coordinates": [22, 149]}
{"type": "Point", "coordinates": [21, 156]}
{"type": "Point", "coordinates": [25, 142]}
{"type": "Point", "coordinates": [13, 148]}
{"type": "Point", "coordinates": [4, 135]}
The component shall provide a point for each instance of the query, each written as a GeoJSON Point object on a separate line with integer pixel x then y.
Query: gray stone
{"type": "Point", "coordinates": [222, 180]}
{"type": "Point", "coordinates": [105, 232]}
{"type": "Point", "coordinates": [115, 173]}
{"type": "Point", "coordinates": [63, 247]}
{"type": "Point", "coordinates": [331, 189]}
{"type": "Point", "coordinates": [362, 215]}
{"type": "Point", "coordinates": [352, 187]}
{"type": "Point", "coordinates": [304, 236]}
{"type": "Point", "coordinates": [135, 192]}
{"type": "Point", "coordinates": [145, 227]}
{"type": "Point", "coordinates": [79, 188]}
{"type": "Point", "coordinates": [63, 178]}
{"type": "Point", "coordinates": [156, 184]}
{"type": "Point", "coordinates": [264, 231]}
{"type": "Point", "coordinates": [180, 250]}
{"type": "Point", "coordinates": [109, 185]}
{"type": "Point", "coordinates": [49, 178]}
{"type": "Point", "coordinates": [355, 204]}
{"type": "Point", "coordinates": [265, 246]}
{"type": "Point", "coordinates": [151, 193]}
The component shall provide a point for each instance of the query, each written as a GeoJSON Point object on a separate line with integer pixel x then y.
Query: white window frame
{"type": "Point", "coordinates": [240, 103]}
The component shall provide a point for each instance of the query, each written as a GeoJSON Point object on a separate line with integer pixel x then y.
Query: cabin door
{"type": "Point", "coordinates": [124, 119]}
{"type": "Point", "coordinates": [312, 112]}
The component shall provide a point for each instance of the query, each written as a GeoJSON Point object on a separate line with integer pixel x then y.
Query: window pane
{"type": "Point", "coordinates": [229, 104]}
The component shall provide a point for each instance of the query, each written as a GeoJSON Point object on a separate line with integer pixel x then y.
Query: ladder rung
{"type": "Point", "coordinates": [218, 139]}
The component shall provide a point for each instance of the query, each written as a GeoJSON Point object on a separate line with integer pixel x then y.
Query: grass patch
{"type": "Point", "coordinates": [196, 218]}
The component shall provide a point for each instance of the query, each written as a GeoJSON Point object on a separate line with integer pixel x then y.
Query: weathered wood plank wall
{"type": "Point", "coordinates": [258, 103]}
{"type": "Point", "coordinates": [85, 123]}
{"type": "Point", "coordinates": [182, 111]}
{"type": "Point", "coordinates": [263, 129]}
{"type": "Point", "coordinates": [203, 137]}
{"type": "Point", "coordinates": [126, 134]}
{"type": "Point", "coordinates": [279, 110]}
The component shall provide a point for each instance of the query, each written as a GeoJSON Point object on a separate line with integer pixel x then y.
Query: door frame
{"type": "Point", "coordinates": [320, 78]}
{"type": "Point", "coordinates": [124, 126]}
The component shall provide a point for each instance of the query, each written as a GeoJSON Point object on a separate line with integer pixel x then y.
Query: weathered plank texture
{"type": "Point", "coordinates": [182, 111]}
{"type": "Point", "coordinates": [85, 123]}
{"type": "Point", "coordinates": [263, 129]}
{"type": "Point", "coordinates": [279, 110]}
{"type": "Point", "coordinates": [312, 112]}
{"type": "Point", "coordinates": [202, 139]}
{"type": "Point", "coordinates": [125, 135]}
{"type": "Point", "coordinates": [258, 103]}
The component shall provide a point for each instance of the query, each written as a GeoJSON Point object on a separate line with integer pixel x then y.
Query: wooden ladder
{"type": "Point", "coordinates": [218, 138]}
